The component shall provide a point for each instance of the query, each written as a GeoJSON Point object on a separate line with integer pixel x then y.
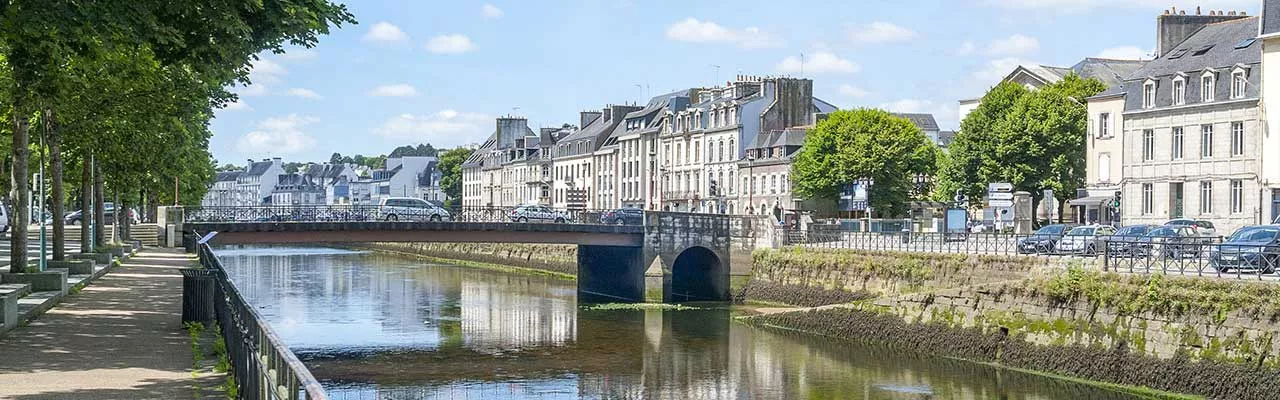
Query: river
{"type": "Point", "coordinates": [376, 326]}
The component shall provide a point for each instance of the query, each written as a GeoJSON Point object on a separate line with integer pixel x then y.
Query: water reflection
{"type": "Point", "coordinates": [373, 326]}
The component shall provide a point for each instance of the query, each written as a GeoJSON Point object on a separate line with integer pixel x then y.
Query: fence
{"type": "Point", "coordinates": [370, 213]}
{"type": "Point", "coordinates": [262, 365]}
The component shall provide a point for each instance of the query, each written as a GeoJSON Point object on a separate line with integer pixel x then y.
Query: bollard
{"type": "Point", "coordinates": [197, 295]}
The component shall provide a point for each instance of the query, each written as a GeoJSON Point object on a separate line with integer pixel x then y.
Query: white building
{"type": "Point", "coordinates": [1269, 142]}
{"type": "Point", "coordinates": [409, 176]}
{"type": "Point", "coordinates": [223, 191]}
{"type": "Point", "coordinates": [255, 186]}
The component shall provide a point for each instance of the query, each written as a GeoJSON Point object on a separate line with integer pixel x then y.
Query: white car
{"type": "Point", "coordinates": [1086, 240]}
{"type": "Point", "coordinates": [410, 209]}
{"type": "Point", "coordinates": [4, 218]}
{"type": "Point", "coordinates": [1202, 227]}
{"type": "Point", "coordinates": [537, 212]}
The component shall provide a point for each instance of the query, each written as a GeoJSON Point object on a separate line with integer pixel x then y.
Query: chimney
{"type": "Point", "coordinates": [1172, 29]}
{"type": "Point", "coordinates": [586, 117]}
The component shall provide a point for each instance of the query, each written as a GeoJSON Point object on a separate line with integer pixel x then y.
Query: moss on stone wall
{"type": "Point", "coordinates": [558, 259]}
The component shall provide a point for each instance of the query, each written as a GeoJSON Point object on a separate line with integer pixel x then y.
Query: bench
{"type": "Point", "coordinates": [9, 295]}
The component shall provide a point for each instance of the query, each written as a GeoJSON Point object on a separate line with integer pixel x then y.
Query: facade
{"type": "Point", "coordinates": [1269, 142]}
{"type": "Point", "coordinates": [1110, 72]}
{"type": "Point", "coordinates": [223, 191]}
{"type": "Point", "coordinates": [409, 176]}
{"type": "Point", "coordinates": [1191, 142]}
{"type": "Point", "coordinates": [297, 189]}
{"type": "Point", "coordinates": [255, 186]}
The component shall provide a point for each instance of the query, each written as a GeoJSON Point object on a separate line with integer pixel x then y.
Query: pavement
{"type": "Point", "coordinates": [119, 338]}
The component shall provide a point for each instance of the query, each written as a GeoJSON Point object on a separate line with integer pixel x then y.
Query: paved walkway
{"type": "Point", "coordinates": [119, 338]}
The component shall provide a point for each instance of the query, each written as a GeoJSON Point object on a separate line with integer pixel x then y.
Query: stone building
{"type": "Point", "coordinates": [1269, 142]}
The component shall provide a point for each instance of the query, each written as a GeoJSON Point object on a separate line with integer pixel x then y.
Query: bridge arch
{"type": "Point", "coordinates": [699, 274]}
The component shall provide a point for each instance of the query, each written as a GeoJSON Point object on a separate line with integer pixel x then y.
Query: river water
{"type": "Point", "coordinates": [375, 326]}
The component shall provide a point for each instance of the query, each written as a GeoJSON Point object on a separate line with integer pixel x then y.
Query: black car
{"type": "Point", "coordinates": [1172, 241]}
{"type": "Point", "coordinates": [1127, 239]}
{"type": "Point", "coordinates": [1249, 248]}
{"type": "Point", "coordinates": [1044, 240]}
{"type": "Point", "coordinates": [623, 216]}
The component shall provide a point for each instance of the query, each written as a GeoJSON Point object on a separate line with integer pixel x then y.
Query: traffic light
{"type": "Point", "coordinates": [1115, 200]}
{"type": "Point", "coordinates": [714, 189]}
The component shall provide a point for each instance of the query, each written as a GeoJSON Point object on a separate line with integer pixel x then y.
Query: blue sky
{"type": "Point", "coordinates": [438, 72]}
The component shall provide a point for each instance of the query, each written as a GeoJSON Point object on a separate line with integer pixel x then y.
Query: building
{"type": "Point", "coordinates": [223, 191]}
{"type": "Point", "coordinates": [1190, 129]}
{"type": "Point", "coordinates": [297, 189]}
{"type": "Point", "coordinates": [488, 182]}
{"type": "Point", "coordinates": [1269, 142]}
{"type": "Point", "coordinates": [255, 185]}
{"type": "Point", "coordinates": [575, 156]}
{"type": "Point", "coordinates": [766, 171]}
{"type": "Point", "coordinates": [408, 176]}
{"type": "Point", "coordinates": [1110, 72]}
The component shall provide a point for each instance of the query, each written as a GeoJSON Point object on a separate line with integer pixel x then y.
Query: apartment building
{"type": "Point", "coordinates": [223, 191]}
{"type": "Point", "coordinates": [1269, 142]}
{"type": "Point", "coordinates": [255, 186]}
{"type": "Point", "coordinates": [1191, 142]}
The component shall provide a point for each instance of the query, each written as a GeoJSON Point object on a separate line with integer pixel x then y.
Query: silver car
{"type": "Point", "coordinates": [410, 209]}
{"type": "Point", "coordinates": [537, 212]}
{"type": "Point", "coordinates": [1086, 240]}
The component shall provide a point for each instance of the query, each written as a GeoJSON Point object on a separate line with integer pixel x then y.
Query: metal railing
{"type": "Point", "coordinates": [372, 213]}
{"type": "Point", "coordinates": [1191, 256]}
{"type": "Point", "coordinates": [263, 367]}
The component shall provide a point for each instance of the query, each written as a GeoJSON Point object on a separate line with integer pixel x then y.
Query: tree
{"type": "Point", "coordinates": [851, 145]}
{"type": "Point", "coordinates": [1034, 140]}
{"type": "Point", "coordinates": [336, 158]}
{"type": "Point", "coordinates": [451, 168]}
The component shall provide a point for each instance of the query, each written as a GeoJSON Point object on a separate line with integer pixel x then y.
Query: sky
{"type": "Point", "coordinates": [439, 72]}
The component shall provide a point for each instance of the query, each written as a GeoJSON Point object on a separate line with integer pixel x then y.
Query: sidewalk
{"type": "Point", "coordinates": [119, 338]}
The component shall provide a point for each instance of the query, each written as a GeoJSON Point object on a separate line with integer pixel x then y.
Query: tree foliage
{"type": "Point", "coordinates": [1032, 139]}
{"type": "Point", "coordinates": [864, 144]}
{"type": "Point", "coordinates": [451, 168]}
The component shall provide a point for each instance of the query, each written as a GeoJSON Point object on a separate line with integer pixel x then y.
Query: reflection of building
{"type": "Point", "coordinates": [503, 315]}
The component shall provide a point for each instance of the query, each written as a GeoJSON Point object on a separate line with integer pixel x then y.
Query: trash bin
{"type": "Point", "coordinates": [906, 234]}
{"type": "Point", "coordinates": [197, 295]}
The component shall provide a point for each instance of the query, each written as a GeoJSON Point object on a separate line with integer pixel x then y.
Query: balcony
{"type": "Point", "coordinates": [681, 195]}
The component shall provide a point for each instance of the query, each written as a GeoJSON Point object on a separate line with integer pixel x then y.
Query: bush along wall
{"type": "Point", "coordinates": [1209, 337]}
{"type": "Point", "coordinates": [810, 277]}
{"type": "Point", "coordinates": [555, 258]}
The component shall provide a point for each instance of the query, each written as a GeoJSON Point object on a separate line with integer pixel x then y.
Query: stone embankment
{"type": "Point", "coordinates": [557, 259]}
{"type": "Point", "coordinates": [1209, 337]}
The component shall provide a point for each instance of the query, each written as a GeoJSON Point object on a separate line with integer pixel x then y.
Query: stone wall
{"type": "Point", "coordinates": [560, 259]}
{"type": "Point", "coordinates": [1205, 336]}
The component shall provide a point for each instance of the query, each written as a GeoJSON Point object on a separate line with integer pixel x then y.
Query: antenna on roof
{"type": "Point", "coordinates": [801, 64]}
{"type": "Point", "coordinates": [717, 67]}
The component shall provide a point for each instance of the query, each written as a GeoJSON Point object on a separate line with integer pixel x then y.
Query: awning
{"type": "Point", "coordinates": [1091, 201]}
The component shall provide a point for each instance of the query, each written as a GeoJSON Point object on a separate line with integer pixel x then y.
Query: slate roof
{"type": "Point", "coordinates": [786, 137]}
{"type": "Point", "coordinates": [1111, 72]}
{"type": "Point", "coordinates": [925, 122]}
{"type": "Point", "coordinates": [1270, 19]}
{"type": "Point", "coordinates": [258, 168]}
{"type": "Point", "coordinates": [1221, 40]}
{"type": "Point", "coordinates": [227, 176]}
{"type": "Point", "coordinates": [590, 131]}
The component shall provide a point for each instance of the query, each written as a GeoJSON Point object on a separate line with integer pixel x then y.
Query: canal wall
{"type": "Point", "coordinates": [554, 258]}
{"type": "Point", "coordinates": [1203, 336]}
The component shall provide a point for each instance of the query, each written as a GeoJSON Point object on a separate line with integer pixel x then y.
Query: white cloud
{"type": "Point", "coordinates": [491, 11]}
{"type": "Point", "coordinates": [450, 44]}
{"type": "Point", "coordinates": [966, 48]}
{"type": "Point", "coordinates": [946, 113]}
{"type": "Point", "coordinates": [256, 89]}
{"type": "Point", "coordinates": [299, 54]}
{"type": "Point", "coordinates": [1126, 53]}
{"type": "Point", "coordinates": [397, 90]}
{"type": "Point", "coordinates": [1013, 45]}
{"type": "Point", "coordinates": [880, 32]}
{"type": "Point", "coordinates": [278, 135]}
{"type": "Point", "coordinates": [695, 31]}
{"type": "Point", "coordinates": [264, 70]}
{"type": "Point", "coordinates": [237, 106]}
{"type": "Point", "coordinates": [303, 93]}
{"type": "Point", "coordinates": [385, 32]}
{"type": "Point", "coordinates": [820, 62]}
{"type": "Point", "coordinates": [853, 91]}
{"type": "Point", "coordinates": [995, 70]}
{"type": "Point", "coordinates": [446, 128]}
{"type": "Point", "coordinates": [1076, 6]}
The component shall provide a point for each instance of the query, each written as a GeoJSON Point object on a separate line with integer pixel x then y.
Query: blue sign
{"type": "Point", "coordinates": [854, 197]}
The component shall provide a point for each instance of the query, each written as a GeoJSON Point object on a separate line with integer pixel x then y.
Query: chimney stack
{"type": "Point", "coordinates": [1172, 29]}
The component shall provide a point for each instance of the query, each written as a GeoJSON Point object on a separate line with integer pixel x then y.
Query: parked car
{"type": "Point", "coordinates": [1043, 241]}
{"type": "Point", "coordinates": [1127, 238]}
{"type": "Point", "coordinates": [1254, 247]}
{"type": "Point", "coordinates": [4, 218]}
{"type": "Point", "coordinates": [1084, 240]}
{"type": "Point", "coordinates": [1172, 241]}
{"type": "Point", "coordinates": [623, 216]}
{"type": "Point", "coordinates": [410, 209]}
{"type": "Point", "coordinates": [108, 215]}
{"type": "Point", "coordinates": [1203, 228]}
{"type": "Point", "coordinates": [537, 212]}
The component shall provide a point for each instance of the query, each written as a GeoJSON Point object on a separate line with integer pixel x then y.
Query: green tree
{"type": "Point", "coordinates": [864, 144]}
{"type": "Point", "coordinates": [451, 170]}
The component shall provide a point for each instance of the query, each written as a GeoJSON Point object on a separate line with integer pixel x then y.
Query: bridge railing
{"type": "Point", "coordinates": [372, 213]}
{"type": "Point", "coordinates": [263, 366]}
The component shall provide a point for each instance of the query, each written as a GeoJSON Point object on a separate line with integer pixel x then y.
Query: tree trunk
{"type": "Point", "coordinates": [99, 195]}
{"type": "Point", "coordinates": [115, 216]}
{"type": "Point", "coordinates": [55, 176]}
{"type": "Point", "coordinates": [1061, 205]}
{"type": "Point", "coordinates": [86, 203]}
{"type": "Point", "coordinates": [21, 211]}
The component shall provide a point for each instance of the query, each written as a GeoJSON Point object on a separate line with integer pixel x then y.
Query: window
{"type": "Point", "coordinates": [1206, 141]}
{"type": "Point", "coordinates": [1207, 86]}
{"type": "Point", "coordinates": [1149, 94]}
{"type": "Point", "coordinates": [1148, 145]}
{"type": "Point", "coordinates": [1237, 196]}
{"type": "Point", "coordinates": [731, 181]}
{"type": "Point", "coordinates": [1237, 84]}
{"type": "Point", "coordinates": [1206, 197]}
{"type": "Point", "coordinates": [1104, 125]}
{"type": "Point", "coordinates": [1179, 91]}
{"type": "Point", "coordinates": [720, 150]}
{"type": "Point", "coordinates": [1104, 167]}
{"type": "Point", "coordinates": [1237, 138]}
{"type": "Point", "coordinates": [1176, 151]}
{"type": "Point", "coordinates": [1147, 201]}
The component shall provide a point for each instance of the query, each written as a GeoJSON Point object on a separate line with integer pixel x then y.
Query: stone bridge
{"type": "Point", "coordinates": [666, 257]}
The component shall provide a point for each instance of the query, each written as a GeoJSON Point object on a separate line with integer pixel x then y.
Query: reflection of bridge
{"type": "Point", "coordinates": [666, 257]}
